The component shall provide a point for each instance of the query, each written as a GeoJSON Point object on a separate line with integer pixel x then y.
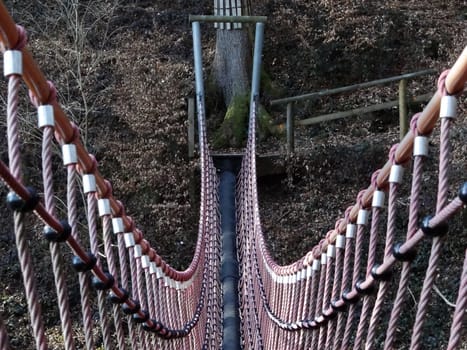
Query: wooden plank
{"type": "Point", "coordinates": [403, 113]}
{"type": "Point", "coordinates": [228, 19]}
{"type": "Point", "coordinates": [228, 12]}
{"type": "Point", "coordinates": [191, 127]}
{"type": "Point", "coordinates": [290, 129]}
{"type": "Point", "coordinates": [358, 111]}
{"type": "Point", "coordinates": [350, 88]}
{"type": "Point", "coordinates": [216, 12]}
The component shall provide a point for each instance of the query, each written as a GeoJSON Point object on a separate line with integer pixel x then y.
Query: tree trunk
{"type": "Point", "coordinates": [231, 64]}
{"type": "Point", "coordinates": [231, 72]}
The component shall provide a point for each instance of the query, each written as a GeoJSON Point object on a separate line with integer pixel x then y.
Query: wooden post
{"type": "Point", "coordinates": [290, 129]}
{"type": "Point", "coordinates": [191, 127]}
{"type": "Point", "coordinates": [403, 114]}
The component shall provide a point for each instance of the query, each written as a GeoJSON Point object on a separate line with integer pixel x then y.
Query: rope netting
{"type": "Point", "coordinates": [151, 305]}
{"type": "Point", "coordinates": [337, 295]}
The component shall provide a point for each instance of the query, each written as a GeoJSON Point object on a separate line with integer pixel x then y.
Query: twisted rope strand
{"type": "Point", "coordinates": [107, 234]}
{"type": "Point", "coordinates": [55, 254]}
{"type": "Point", "coordinates": [83, 278]}
{"type": "Point", "coordinates": [405, 273]}
{"type": "Point", "coordinates": [384, 286]}
{"type": "Point", "coordinates": [368, 300]}
{"type": "Point", "coordinates": [92, 225]}
{"type": "Point", "coordinates": [443, 187]}
{"type": "Point", "coordinates": [29, 281]}
{"type": "Point", "coordinates": [459, 313]}
{"type": "Point", "coordinates": [22, 245]}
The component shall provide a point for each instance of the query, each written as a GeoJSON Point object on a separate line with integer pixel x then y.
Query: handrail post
{"type": "Point", "coordinates": [290, 129]}
{"type": "Point", "coordinates": [403, 114]}
{"type": "Point", "coordinates": [191, 127]}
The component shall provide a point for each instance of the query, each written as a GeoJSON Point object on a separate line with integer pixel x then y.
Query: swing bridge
{"type": "Point", "coordinates": [348, 291]}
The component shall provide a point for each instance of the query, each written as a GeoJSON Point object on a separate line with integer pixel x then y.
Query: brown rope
{"type": "Point", "coordinates": [22, 245]}
{"type": "Point", "coordinates": [55, 253]}
{"type": "Point", "coordinates": [459, 313]}
{"type": "Point", "coordinates": [384, 285]}
{"type": "Point", "coordinates": [443, 188]}
{"type": "Point", "coordinates": [412, 229]}
{"type": "Point", "coordinates": [101, 295]}
{"type": "Point", "coordinates": [374, 230]}
{"type": "Point", "coordinates": [84, 287]}
{"type": "Point", "coordinates": [107, 234]}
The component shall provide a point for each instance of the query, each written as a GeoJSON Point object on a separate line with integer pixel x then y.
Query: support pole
{"type": "Point", "coordinates": [228, 168]}
{"type": "Point", "coordinates": [403, 114]}
{"type": "Point", "coordinates": [256, 75]}
{"type": "Point", "coordinates": [199, 82]}
{"type": "Point", "coordinates": [290, 129]}
{"type": "Point", "coordinates": [198, 57]}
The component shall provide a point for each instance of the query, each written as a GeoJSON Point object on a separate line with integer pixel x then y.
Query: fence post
{"type": "Point", "coordinates": [403, 114]}
{"type": "Point", "coordinates": [290, 129]}
{"type": "Point", "coordinates": [191, 127]}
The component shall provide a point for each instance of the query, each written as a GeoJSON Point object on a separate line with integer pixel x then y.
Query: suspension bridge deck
{"type": "Point", "coordinates": [266, 163]}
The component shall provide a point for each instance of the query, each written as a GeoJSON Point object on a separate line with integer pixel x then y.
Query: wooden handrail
{"type": "Point", "coordinates": [349, 88]}
{"type": "Point", "coordinates": [358, 111]}
{"type": "Point", "coordinates": [227, 19]}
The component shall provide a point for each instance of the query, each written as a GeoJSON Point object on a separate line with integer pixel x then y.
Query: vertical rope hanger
{"type": "Point", "coordinates": [377, 205]}
{"type": "Point", "coordinates": [448, 111]}
{"type": "Point", "coordinates": [420, 153]}
{"type": "Point", "coordinates": [46, 122]}
{"type": "Point", "coordinates": [13, 71]}
{"type": "Point", "coordinates": [105, 214]}
{"type": "Point", "coordinates": [70, 160]}
{"type": "Point", "coordinates": [349, 244]}
{"type": "Point", "coordinates": [459, 313]}
{"type": "Point", "coordinates": [90, 190]}
{"type": "Point", "coordinates": [394, 182]}
{"type": "Point", "coordinates": [361, 223]}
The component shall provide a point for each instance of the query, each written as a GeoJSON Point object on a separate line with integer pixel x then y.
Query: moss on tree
{"type": "Point", "coordinates": [233, 129]}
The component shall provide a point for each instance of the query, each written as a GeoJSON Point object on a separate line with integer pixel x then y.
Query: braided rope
{"type": "Point", "coordinates": [107, 231]}
{"type": "Point", "coordinates": [22, 245]}
{"type": "Point", "coordinates": [384, 285]}
{"type": "Point", "coordinates": [85, 291]}
{"type": "Point", "coordinates": [327, 300]}
{"type": "Point", "coordinates": [140, 292]}
{"type": "Point", "coordinates": [57, 265]}
{"type": "Point", "coordinates": [341, 320]}
{"type": "Point", "coordinates": [355, 277]}
{"type": "Point", "coordinates": [368, 300]}
{"type": "Point", "coordinates": [332, 334]}
{"type": "Point", "coordinates": [134, 293]}
{"type": "Point", "coordinates": [92, 224]}
{"type": "Point", "coordinates": [411, 230]}
{"type": "Point", "coordinates": [443, 188]}
{"type": "Point", "coordinates": [459, 313]}
{"type": "Point", "coordinates": [32, 297]}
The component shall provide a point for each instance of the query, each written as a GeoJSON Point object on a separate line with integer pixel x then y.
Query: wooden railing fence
{"type": "Point", "coordinates": [402, 103]}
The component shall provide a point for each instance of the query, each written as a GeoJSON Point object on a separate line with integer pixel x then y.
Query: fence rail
{"type": "Point", "coordinates": [349, 88]}
{"type": "Point", "coordinates": [402, 103]}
